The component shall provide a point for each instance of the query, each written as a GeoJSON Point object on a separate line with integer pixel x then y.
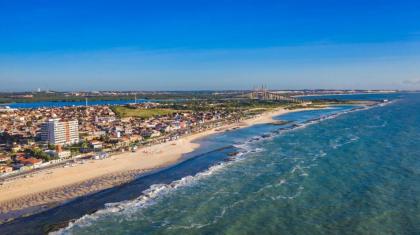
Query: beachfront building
{"type": "Point", "coordinates": [59, 132]}
{"type": "Point", "coordinates": [58, 154]}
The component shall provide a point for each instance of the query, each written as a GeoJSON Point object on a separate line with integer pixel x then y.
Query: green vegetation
{"type": "Point", "coordinates": [51, 146]}
{"type": "Point", "coordinates": [38, 153]}
{"type": "Point", "coordinates": [224, 105]}
{"type": "Point", "coordinates": [124, 111]}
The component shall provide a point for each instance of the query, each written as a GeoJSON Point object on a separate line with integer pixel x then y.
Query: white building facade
{"type": "Point", "coordinates": [58, 132]}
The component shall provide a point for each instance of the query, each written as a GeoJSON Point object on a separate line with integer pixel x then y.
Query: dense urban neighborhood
{"type": "Point", "coordinates": [32, 138]}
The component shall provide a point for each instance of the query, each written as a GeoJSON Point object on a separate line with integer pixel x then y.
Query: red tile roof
{"type": "Point", "coordinates": [28, 161]}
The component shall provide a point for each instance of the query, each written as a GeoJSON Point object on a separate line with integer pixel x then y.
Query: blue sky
{"type": "Point", "coordinates": [185, 45]}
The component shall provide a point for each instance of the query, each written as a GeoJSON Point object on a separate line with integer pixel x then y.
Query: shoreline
{"type": "Point", "coordinates": [51, 187]}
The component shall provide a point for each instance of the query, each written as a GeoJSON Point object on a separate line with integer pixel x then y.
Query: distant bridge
{"type": "Point", "coordinates": [264, 94]}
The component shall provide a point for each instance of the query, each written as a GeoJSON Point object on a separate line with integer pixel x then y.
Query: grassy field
{"type": "Point", "coordinates": [123, 112]}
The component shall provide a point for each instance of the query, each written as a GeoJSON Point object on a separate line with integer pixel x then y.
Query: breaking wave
{"type": "Point", "coordinates": [148, 197]}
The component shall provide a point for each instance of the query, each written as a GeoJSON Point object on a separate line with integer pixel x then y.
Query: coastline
{"type": "Point", "coordinates": [50, 187]}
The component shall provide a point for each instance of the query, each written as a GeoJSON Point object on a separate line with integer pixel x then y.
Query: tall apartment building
{"type": "Point", "coordinates": [57, 132]}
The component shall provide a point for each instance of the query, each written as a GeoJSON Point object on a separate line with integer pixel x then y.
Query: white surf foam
{"type": "Point", "coordinates": [148, 197]}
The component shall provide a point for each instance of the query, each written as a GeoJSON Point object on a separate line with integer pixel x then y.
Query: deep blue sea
{"type": "Point", "coordinates": [343, 170]}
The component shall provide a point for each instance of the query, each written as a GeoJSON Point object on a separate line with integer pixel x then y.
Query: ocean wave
{"type": "Point", "coordinates": [148, 198]}
{"type": "Point", "coordinates": [342, 141]}
{"type": "Point", "coordinates": [268, 136]}
{"type": "Point", "coordinates": [384, 124]}
{"type": "Point", "coordinates": [289, 197]}
{"type": "Point", "coordinates": [215, 219]}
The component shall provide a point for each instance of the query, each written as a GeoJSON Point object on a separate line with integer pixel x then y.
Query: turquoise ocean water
{"type": "Point", "coordinates": [353, 173]}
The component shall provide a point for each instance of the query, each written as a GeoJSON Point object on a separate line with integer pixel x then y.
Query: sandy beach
{"type": "Point", "coordinates": [55, 185]}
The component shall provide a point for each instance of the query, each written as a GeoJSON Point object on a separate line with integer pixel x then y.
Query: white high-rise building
{"type": "Point", "coordinates": [57, 132]}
